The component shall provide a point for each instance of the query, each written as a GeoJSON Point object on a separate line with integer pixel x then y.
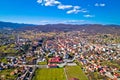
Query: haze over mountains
{"type": "Point", "coordinates": [90, 28]}
{"type": "Point", "coordinates": [13, 25]}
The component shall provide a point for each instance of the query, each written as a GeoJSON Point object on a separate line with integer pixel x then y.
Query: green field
{"type": "Point", "coordinates": [50, 74]}
{"type": "Point", "coordinates": [42, 63]}
{"type": "Point", "coordinates": [75, 72]}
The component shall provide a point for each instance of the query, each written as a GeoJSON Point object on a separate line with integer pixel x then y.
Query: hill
{"type": "Point", "coordinates": [89, 28]}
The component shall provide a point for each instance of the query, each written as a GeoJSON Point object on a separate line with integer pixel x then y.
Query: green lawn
{"type": "Point", "coordinates": [50, 74]}
{"type": "Point", "coordinates": [4, 60]}
{"type": "Point", "coordinates": [42, 63]}
{"type": "Point", "coordinates": [75, 72]}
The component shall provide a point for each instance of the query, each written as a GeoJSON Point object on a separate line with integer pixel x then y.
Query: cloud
{"type": "Point", "coordinates": [74, 21]}
{"type": "Point", "coordinates": [48, 2]}
{"type": "Point", "coordinates": [61, 6]}
{"type": "Point", "coordinates": [100, 4]}
{"type": "Point", "coordinates": [70, 8]}
{"type": "Point", "coordinates": [89, 16]}
{"type": "Point", "coordinates": [75, 10]}
{"type": "Point", "coordinates": [51, 2]}
{"type": "Point", "coordinates": [83, 10]}
{"type": "Point", "coordinates": [39, 1]}
{"type": "Point", "coordinates": [44, 21]}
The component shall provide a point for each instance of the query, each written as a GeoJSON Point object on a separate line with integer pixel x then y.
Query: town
{"type": "Point", "coordinates": [59, 40]}
{"type": "Point", "coordinates": [59, 55]}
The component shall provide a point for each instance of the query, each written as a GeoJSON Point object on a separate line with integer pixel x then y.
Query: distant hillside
{"type": "Point", "coordinates": [90, 28]}
{"type": "Point", "coordinates": [9, 25]}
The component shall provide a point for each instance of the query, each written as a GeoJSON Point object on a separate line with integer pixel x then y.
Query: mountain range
{"type": "Point", "coordinates": [90, 28]}
{"type": "Point", "coordinates": [10, 25]}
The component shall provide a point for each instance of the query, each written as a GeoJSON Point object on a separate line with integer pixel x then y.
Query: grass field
{"type": "Point", "coordinates": [75, 72]}
{"type": "Point", "coordinates": [50, 74]}
{"type": "Point", "coordinates": [42, 63]}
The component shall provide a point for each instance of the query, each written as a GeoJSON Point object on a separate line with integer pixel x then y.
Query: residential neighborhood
{"type": "Point", "coordinates": [59, 40]}
{"type": "Point", "coordinates": [93, 56]}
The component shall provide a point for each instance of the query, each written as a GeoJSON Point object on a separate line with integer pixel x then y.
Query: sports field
{"type": "Point", "coordinates": [50, 74]}
{"type": "Point", "coordinates": [75, 72]}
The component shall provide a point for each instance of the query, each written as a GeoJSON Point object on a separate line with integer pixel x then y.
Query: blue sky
{"type": "Point", "coordinates": [60, 11]}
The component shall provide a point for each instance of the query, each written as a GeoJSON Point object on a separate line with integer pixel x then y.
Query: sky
{"type": "Point", "coordinates": [60, 11]}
